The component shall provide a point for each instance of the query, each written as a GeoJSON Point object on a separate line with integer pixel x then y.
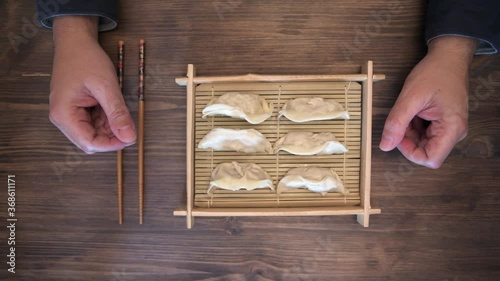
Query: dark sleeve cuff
{"type": "Point", "coordinates": [474, 19]}
{"type": "Point", "coordinates": [106, 10]}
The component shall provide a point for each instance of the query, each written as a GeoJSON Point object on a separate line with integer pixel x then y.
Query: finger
{"type": "Point", "coordinates": [429, 152]}
{"type": "Point", "coordinates": [398, 120]}
{"type": "Point", "coordinates": [90, 142]}
{"type": "Point", "coordinates": [110, 98]}
{"type": "Point", "coordinates": [77, 127]}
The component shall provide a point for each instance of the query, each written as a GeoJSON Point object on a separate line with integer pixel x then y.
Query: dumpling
{"type": "Point", "coordinates": [247, 141]}
{"type": "Point", "coordinates": [310, 109]}
{"type": "Point", "coordinates": [309, 143]}
{"type": "Point", "coordinates": [235, 176]}
{"type": "Point", "coordinates": [250, 107]}
{"type": "Point", "coordinates": [315, 179]}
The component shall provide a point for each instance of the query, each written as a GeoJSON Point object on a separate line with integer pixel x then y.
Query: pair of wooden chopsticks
{"type": "Point", "coordinates": [140, 139]}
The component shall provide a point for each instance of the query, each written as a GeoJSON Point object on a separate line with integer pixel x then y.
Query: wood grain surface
{"type": "Point", "coordinates": [435, 224]}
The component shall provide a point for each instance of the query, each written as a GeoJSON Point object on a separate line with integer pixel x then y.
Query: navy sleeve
{"type": "Point", "coordinates": [107, 11]}
{"type": "Point", "coordinates": [479, 19]}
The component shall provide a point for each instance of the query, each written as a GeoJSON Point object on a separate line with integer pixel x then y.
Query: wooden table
{"type": "Point", "coordinates": [435, 224]}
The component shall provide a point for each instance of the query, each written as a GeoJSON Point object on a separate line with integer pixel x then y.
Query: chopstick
{"type": "Point", "coordinates": [141, 128]}
{"type": "Point", "coordinates": [119, 154]}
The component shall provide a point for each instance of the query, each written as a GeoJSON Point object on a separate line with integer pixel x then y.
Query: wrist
{"type": "Point", "coordinates": [74, 30]}
{"type": "Point", "coordinates": [457, 49]}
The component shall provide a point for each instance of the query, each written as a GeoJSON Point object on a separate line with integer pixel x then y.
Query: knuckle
{"type": "Point", "coordinates": [462, 129]}
{"type": "Point", "coordinates": [462, 125]}
{"type": "Point", "coordinates": [103, 87]}
{"type": "Point", "coordinates": [465, 133]}
{"type": "Point", "coordinates": [118, 112]}
{"type": "Point", "coordinates": [393, 124]}
{"type": "Point", "coordinates": [55, 116]}
{"type": "Point", "coordinates": [56, 108]}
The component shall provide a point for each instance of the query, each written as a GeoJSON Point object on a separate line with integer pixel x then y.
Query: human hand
{"type": "Point", "coordinates": [436, 91]}
{"type": "Point", "coordinates": [86, 102]}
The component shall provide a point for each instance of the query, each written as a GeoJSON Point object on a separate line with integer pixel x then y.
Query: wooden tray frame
{"type": "Point", "coordinates": [363, 211]}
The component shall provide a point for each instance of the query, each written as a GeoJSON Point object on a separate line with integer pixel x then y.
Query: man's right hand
{"type": "Point", "coordinates": [430, 115]}
{"type": "Point", "coordinates": [86, 103]}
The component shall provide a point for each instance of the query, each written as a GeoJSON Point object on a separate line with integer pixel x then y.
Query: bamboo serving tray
{"type": "Point", "coordinates": [354, 92]}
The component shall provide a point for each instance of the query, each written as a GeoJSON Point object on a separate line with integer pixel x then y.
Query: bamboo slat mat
{"type": "Point", "coordinates": [348, 132]}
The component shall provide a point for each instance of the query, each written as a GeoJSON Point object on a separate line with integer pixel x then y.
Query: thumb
{"type": "Point", "coordinates": [405, 109]}
{"type": "Point", "coordinates": [111, 100]}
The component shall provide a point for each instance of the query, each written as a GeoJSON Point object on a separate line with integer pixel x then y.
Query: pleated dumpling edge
{"type": "Point", "coordinates": [236, 176]}
{"type": "Point", "coordinates": [246, 141]}
{"type": "Point", "coordinates": [250, 107]}
{"type": "Point", "coordinates": [313, 109]}
{"type": "Point", "coordinates": [309, 143]}
{"type": "Point", "coordinates": [315, 179]}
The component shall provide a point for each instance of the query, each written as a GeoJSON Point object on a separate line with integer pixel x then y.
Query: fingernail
{"type": "Point", "coordinates": [127, 134]}
{"type": "Point", "coordinates": [385, 143]}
